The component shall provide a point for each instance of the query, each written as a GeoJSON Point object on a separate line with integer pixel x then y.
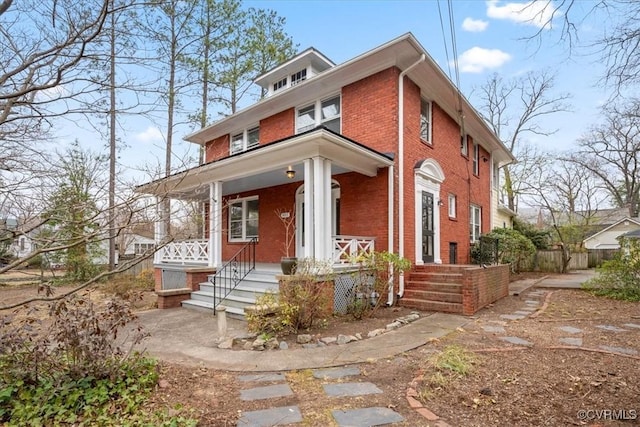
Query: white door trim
{"type": "Point", "coordinates": [428, 177]}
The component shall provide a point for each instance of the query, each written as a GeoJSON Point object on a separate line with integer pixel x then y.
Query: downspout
{"type": "Point", "coordinates": [401, 167]}
{"type": "Point", "coordinates": [390, 234]}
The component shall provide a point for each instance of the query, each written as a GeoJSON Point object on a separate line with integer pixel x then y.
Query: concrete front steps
{"type": "Point", "coordinates": [434, 288]}
{"type": "Point", "coordinates": [257, 283]}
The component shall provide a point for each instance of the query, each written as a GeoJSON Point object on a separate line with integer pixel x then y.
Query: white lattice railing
{"type": "Point", "coordinates": [185, 252]}
{"type": "Point", "coordinates": [345, 248]}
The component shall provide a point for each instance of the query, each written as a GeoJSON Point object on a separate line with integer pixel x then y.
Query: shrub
{"type": "Point", "coordinates": [619, 278]}
{"type": "Point", "coordinates": [302, 300]}
{"type": "Point", "coordinates": [513, 247]}
{"type": "Point", "coordinates": [371, 281]}
{"type": "Point", "coordinates": [69, 368]}
{"type": "Point", "coordinates": [539, 238]}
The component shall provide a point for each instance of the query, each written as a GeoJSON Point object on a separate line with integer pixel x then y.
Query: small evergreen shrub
{"type": "Point", "coordinates": [619, 278]}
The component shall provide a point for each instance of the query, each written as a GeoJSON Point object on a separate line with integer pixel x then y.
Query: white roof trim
{"type": "Point", "coordinates": [611, 226]}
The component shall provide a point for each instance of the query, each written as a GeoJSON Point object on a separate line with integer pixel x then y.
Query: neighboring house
{"type": "Point", "coordinates": [607, 238]}
{"type": "Point", "coordinates": [24, 242]}
{"type": "Point", "coordinates": [378, 152]}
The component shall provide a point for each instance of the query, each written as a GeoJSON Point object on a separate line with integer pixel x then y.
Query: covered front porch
{"type": "Point", "coordinates": [337, 193]}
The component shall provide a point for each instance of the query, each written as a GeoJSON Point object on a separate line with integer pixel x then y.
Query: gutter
{"type": "Point", "coordinates": [401, 167]}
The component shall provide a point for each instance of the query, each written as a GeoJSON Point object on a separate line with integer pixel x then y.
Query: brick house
{"type": "Point", "coordinates": [394, 156]}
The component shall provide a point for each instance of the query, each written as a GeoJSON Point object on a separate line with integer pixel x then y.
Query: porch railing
{"type": "Point", "coordinates": [185, 252]}
{"type": "Point", "coordinates": [229, 276]}
{"type": "Point", "coordinates": [345, 248]}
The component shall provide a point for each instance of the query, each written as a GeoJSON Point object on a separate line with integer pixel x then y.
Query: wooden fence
{"type": "Point", "coordinates": [551, 261]}
{"type": "Point", "coordinates": [135, 270]}
{"type": "Point", "coordinates": [598, 256]}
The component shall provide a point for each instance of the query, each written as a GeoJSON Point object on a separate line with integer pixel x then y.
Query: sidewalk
{"type": "Point", "coordinates": [190, 337]}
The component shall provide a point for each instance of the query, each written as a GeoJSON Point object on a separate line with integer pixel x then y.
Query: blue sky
{"type": "Point", "coordinates": [489, 39]}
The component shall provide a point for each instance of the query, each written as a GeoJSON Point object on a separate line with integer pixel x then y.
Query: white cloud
{"type": "Point", "coordinates": [477, 59]}
{"type": "Point", "coordinates": [474, 25]}
{"type": "Point", "coordinates": [149, 135]}
{"type": "Point", "coordinates": [537, 13]}
{"type": "Point", "coordinates": [52, 93]}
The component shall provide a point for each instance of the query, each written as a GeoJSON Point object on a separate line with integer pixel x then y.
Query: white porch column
{"type": "Point", "coordinates": [159, 231]}
{"type": "Point", "coordinates": [308, 209]}
{"type": "Point", "coordinates": [215, 224]}
{"type": "Point", "coordinates": [321, 205]}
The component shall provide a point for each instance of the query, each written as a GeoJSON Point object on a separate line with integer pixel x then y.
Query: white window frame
{"type": "Point", "coordinates": [244, 135]}
{"type": "Point", "coordinates": [464, 145]}
{"type": "Point", "coordinates": [476, 159]}
{"type": "Point", "coordinates": [280, 84]}
{"type": "Point", "coordinates": [140, 248]}
{"type": "Point", "coordinates": [298, 77]}
{"type": "Point", "coordinates": [317, 113]}
{"type": "Point", "coordinates": [427, 119]}
{"type": "Point", "coordinates": [475, 229]}
{"type": "Point", "coordinates": [452, 206]}
{"type": "Point", "coordinates": [243, 202]}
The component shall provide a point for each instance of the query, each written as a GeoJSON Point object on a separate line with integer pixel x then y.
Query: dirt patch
{"type": "Point", "coordinates": [509, 385]}
{"type": "Point", "coordinates": [540, 385]}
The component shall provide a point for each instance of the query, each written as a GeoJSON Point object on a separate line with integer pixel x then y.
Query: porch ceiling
{"type": "Point", "coordinates": [265, 166]}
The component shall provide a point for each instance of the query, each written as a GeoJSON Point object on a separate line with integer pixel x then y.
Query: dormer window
{"type": "Point", "coordinates": [245, 140]}
{"type": "Point", "coordinates": [298, 77]}
{"type": "Point", "coordinates": [280, 84]}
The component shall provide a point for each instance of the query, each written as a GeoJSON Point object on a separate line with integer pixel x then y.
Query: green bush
{"type": "Point", "coordinates": [539, 238]}
{"type": "Point", "coordinates": [619, 278]}
{"type": "Point", "coordinates": [513, 247]}
{"type": "Point", "coordinates": [68, 369]}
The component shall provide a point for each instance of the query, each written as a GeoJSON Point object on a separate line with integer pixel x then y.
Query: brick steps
{"type": "Point", "coordinates": [433, 296]}
{"type": "Point", "coordinates": [424, 305]}
{"type": "Point", "coordinates": [418, 285]}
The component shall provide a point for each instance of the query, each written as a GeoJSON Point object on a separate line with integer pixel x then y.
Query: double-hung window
{"type": "Point", "coordinates": [475, 217]}
{"type": "Point", "coordinates": [243, 219]}
{"type": "Point", "coordinates": [141, 248]}
{"type": "Point", "coordinates": [476, 159]}
{"type": "Point", "coordinates": [244, 140]}
{"type": "Point", "coordinates": [425, 121]}
{"type": "Point", "coordinates": [322, 112]}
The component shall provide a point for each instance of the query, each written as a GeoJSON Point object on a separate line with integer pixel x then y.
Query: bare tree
{"type": "Point", "coordinates": [571, 195]}
{"type": "Point", "coordinates": [611, 151]}
{"type": "Point", "coordinates": [514, 110]}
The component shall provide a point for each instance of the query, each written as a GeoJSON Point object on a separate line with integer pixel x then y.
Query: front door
{"type": "Point", "coordinates": [427, 227]}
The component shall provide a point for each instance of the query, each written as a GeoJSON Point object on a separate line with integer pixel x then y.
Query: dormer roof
{"type": "Point", "coordinates": [305, 59]}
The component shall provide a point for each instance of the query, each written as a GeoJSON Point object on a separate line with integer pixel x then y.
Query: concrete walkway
{"type": "Point", "coordinates": [190, 337]}
{"type": "Point", "coordinates": [571, 280]}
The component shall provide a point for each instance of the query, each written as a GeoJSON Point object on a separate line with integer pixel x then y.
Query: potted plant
{"type": "Point", "coordinates": [288, 219]}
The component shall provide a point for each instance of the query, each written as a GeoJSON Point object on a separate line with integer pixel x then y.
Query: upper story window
{"type": "Point", "coordinates": [464, 145]}
{"type": "Point", "coordinates": [425, 121]}
{"type": "Point", "coordinates": [244, 140]}
{"type": "Point", "coordinates": [476, 159]}
{"type": "Point", "coordinates": [280, 84]}
{"type": "Point", "coordinates": [322, 112]}
{"type": "Point", "coordinates": [141, 248]}
{"type": "Point", "coordinates": [243, 219]}
{"type": "Point", "coordinates": [475, 224]}
{"type": "Point", "coordinates": [298, 77]}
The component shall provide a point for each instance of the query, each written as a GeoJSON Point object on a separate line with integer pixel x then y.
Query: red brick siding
{"type": "Point", "coordinates": [217, 149]}
{"type": "Point", "coordinates": [458, 172]}
{"type": "Point", "coordinates": [370, 110]}
{"type": "Point", "coordinates": [277, 126]}
{"type": "Point", "coordinates": [483, 286]}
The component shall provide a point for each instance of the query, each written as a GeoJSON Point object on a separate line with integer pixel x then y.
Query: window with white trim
{"type": "Point", "coordinates": [245, 140]}
{"type": "Point", "coordinates": [322, 112]}
{"type": "Point", "coordinates": [476, 159]}
{"type": "Point", "coordinates": [280, 84]}
{"type": "Point", "coordinates": [243, 219]}
{"type": "Point", "coordinates": [452, 205]}
{"type": "Point", "coordinates": [425, 121]}
{"type": "Point", "coordinates": [475, 221]}
{"type": "Point", "coordinates": [141, 248]}
{"type": "Point", "coordinates": [298, 77]}
{"type": "Point", "coordinates": [464, 145]}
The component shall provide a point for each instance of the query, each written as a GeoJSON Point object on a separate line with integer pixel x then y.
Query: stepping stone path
{"type": "Point", "coordinates": [359, 417]}
{"type": "Point", "coordinates": [532, 303]}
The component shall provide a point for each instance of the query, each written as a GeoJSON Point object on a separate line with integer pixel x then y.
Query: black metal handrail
{"type": "Point", "coordinates": [229, 276]}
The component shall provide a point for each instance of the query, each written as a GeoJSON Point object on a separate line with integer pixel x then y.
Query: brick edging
{"type": "Point", "coordinates": [419, 407]}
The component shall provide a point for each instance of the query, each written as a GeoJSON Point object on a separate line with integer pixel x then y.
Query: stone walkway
{"type": "Point", "coordinates": [574, 336]}
{"type": "Point", "coordinates": [338, 383]}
